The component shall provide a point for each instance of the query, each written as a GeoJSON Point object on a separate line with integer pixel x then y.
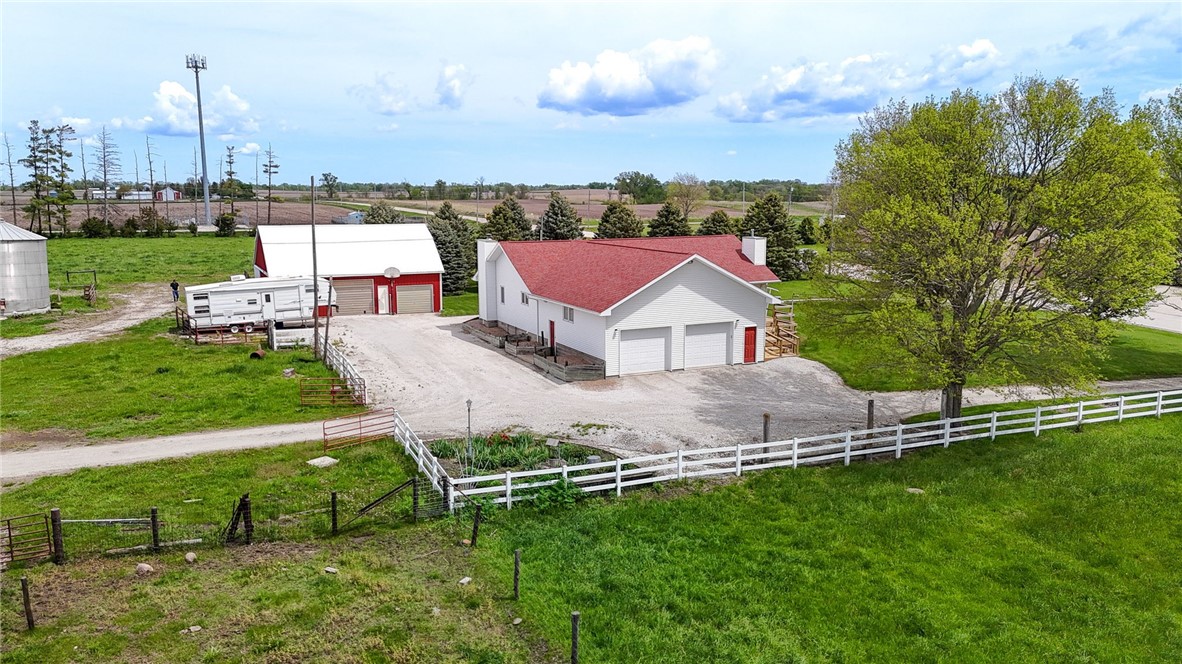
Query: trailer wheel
{"type": "Point", "coordinates": [248, 328]}
{"type": "Point", "coordinates": [233, 329]}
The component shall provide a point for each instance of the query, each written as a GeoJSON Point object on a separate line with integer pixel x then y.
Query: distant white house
{"type": "Point", "coordinates": [168, 194]}
{"type": "Point", "coordinates": [640, 305]}
{"type": "Point", "coordinates": [375, 268]}
{"type": "Point", "coordinates": [100, 194]}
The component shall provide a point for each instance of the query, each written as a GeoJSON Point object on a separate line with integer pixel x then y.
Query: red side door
{"type": "Point", "coordinates": [551, 335]}
{"type": "Point", "coordinates": [749, 345]}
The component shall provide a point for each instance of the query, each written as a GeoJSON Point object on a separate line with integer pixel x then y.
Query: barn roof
{"type": "Point", "coordinates": [349, 251]}
{"type": "Point", "coordinates": [597, 274]}
{"type": "Point", "coordinates": [11, 233]}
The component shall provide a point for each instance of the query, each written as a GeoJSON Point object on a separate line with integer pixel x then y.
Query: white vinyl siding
{"type": "Point", "coordinates": [694, 294]}
{"type": "Point", "coordinates": [584, 334]}
{"type": "Point", "coordinates": [707, 345]}
{"type": "Point", "coordinates": [415, 299]}
{"type": "Point", "coordinates": [354, 296]}
{"type": "Point", "coordinates": [644, 351]}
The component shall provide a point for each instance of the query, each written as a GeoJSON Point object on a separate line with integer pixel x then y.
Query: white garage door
{"type": "Point", "coordinates": [644, 350]}
{"type": "Point", "coordinates": [706, 345]}
{"type": "Point", "coordinates": [414, 299]}
{"type": "Point", "coordinates": [354, 296]}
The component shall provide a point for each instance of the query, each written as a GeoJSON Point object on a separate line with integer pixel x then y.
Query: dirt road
{"type": "Point", "coordinates": [135, 305]}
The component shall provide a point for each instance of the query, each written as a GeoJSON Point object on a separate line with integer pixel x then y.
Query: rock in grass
{"type": "Point", "coordinates": [195, 628]}
{"type": "Point", "coordinates": [330, 570]}
{"type": "Point", "coordinates": [465, 581]}
{"type": "Point", "coordinates": [915, 490]}
{"type": "Point", "coordinates": [435, 611]}
{"type": "Point", "coordinates": [190, 557]}
{"type": "Point", "coordinates": [288, 372]}
{"type": "Point", "coordinates": [466, 542]}
{"type": "Point", "coordinates": [143, 569]}
{"type": "Point", "coordinates": [517, 621]}
{"type": "Point", "coordinates": [323, 462]}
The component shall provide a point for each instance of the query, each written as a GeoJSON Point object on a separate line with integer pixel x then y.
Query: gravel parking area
{"type": "Point", "coordinates": [426, 367]}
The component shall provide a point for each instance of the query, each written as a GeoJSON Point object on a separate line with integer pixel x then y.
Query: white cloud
{"type": "Point", "coordinates": [453, 82]}
{"type": "Point", "coordinates": [79, 124]}
{"type": "Point", "coordinates": [731, 153]}
{"type": "Point", "coordinates": [663, 73]}
{"type": "Point", "coordinates": [393, 126]}
{"type": "Point", "coordinates": [175, 113]}
{"type": "Point", "coordinates": [386, 96]}
{"type": "Point", "coordinates": [855, 85]}
{"type": "Point", "coordinates": [249, 148]}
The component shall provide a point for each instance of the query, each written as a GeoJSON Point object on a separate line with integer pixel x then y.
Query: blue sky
{"type": "Point", "coordinates": [544, 92]}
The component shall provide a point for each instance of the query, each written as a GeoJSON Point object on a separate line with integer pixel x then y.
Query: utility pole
{"type": "Point", "coordinates": [197, 64]}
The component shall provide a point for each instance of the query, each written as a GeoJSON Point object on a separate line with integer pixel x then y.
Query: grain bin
{"type": "Point", "coordinates": [24, 271]}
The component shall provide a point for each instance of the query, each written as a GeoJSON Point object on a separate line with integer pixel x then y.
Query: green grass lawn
{"type": "Point", "coordinates": [148, 382]}
{"type": "Point", "coordinates": [1047, 549]}
{"type": "Point", "coordinates": [34, 324]}
{"type": "Point", "coordinates": [464, 304]}
{"type": "Point", "coordinates": [190, 260]}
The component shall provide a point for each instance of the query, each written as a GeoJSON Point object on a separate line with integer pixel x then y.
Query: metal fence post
{"type": "Point", "coordinates": [59, 549]}
{"type": "Point", "coordinates": [334, 512]}
{"type": "Point", "coordinates": [870, 413]}
{"type": "Point", "coordinates": [476, 524]}
{"type": "Point", "coordinates": [767, 433]}
{"type": "Point", "coordinates": [517, 574]}
{"type": "Point", "coordinates": [155, 529]}
{"type": "Point", "coordinates": [28, 602]}
{"type": "Point", "coordinates": [247, 519]}
{"type": "Point", "coordinates": [414, 499]}
{"type": "Point", "coordinates": [574, 637]}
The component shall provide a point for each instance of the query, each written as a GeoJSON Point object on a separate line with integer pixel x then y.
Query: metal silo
{"type": "Point", "coordinates": [24, 271]}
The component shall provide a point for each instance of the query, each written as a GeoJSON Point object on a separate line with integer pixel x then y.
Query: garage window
{"type": "Point", "coordinates": [525, 299]}
{"type": "Point", "coordinates": [568, 314]}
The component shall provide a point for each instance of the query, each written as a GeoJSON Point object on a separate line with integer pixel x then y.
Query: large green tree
{"type": "Point", "coordinates": [686, 191]}
{"type": "Point", "coordinates": [560, 221]}
{"type": "Point", "coordinates": [331, 184]}
{"type": "Point", "coordinates": [717, 222]}
{"type": "Point", "coordinates": [996, 233]}
{"type": "Point", "coordinates": [507, 221]}
{"type": "Point", "coordinates": [669, 223]}
{"type": "Point", "coordinates": [618, 221]}
{"type": "Point", "coordinates": [1164, 119]}
{"type": "Point", "coordinates": [768, 217]}
{"type": "Point", "coordinates": [642, 187]}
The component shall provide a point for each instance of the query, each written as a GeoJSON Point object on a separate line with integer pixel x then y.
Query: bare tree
{"type": "Point", "coordinates": [106, 163]}
{"type": "Point", "coordinates": [11, 173]}
{"type": "Point", "coordinates": [271, 168]}
{"type": "Point", "coordinates": [151, 173]}
{"type": "Point", "coordinates": [686, 193]}
{"type": "Point", "coordinates": [85, 179]}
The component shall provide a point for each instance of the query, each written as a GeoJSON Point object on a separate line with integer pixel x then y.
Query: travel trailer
{"type": "Point", "coordinates": [244, 304]}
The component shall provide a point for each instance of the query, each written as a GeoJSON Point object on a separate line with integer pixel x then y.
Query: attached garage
{"type": "Point", "coordinates": [707, 345]}
{"type": "Point", "coordinates": [354, 296]}
{"type": "Point", "coordinates": [643, 351]}
{"type": "Point", "coordinates": [414, 299]}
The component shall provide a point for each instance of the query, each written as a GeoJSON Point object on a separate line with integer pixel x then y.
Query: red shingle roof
{"type": "Point", "coordinates": [596, 274]}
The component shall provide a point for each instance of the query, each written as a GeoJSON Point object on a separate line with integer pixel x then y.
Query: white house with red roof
{"type": "Point", "coordinates": [640, 305]}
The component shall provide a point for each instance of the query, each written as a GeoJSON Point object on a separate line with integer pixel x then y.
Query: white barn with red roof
{"type": "Point", "coordinates": [640, 304]}
{"type": "Point", "coordinates": [359, 261]}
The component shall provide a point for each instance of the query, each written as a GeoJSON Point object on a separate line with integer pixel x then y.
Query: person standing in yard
{"type": "Point", "coordinates": [176, 290]}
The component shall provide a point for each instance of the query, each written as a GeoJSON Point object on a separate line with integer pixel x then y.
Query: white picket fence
{"type": "Point", "coordinates": [508, 487]}
{"type": "Point", "coordinates": [337, 361]}
{"type": "Point", "coordinates": [418, 451]}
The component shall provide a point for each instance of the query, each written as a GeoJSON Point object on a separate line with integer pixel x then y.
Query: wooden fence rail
{"type": "Point", "coordinates": [509, 487]}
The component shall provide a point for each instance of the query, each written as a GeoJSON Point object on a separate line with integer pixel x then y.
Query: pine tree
{"type": "Point", "coordinates": [767, 217]}
{"type": "Point", "coordinates": [457, 270]}
{"type": "Point", "coordinates": [669, 223]}
{"type": "Point", "coordinates": [507, 221]}
{"type": "Point", "coordinates": [619, 220]}
{"type": "Point", "coordinates": [808, 231]}
{"type": "Point", "coordinates": [717, 222]}
{"type": "Point", "coordinates": [560, 221]}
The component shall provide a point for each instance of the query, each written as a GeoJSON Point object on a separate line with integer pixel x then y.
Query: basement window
{"type": "Point", "coordinates": [525, 299]}
{"type": "Point", "coordinates": [568, 314]}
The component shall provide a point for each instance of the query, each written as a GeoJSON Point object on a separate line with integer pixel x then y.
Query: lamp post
{"type": "Point", "coordinates": [197, 64]}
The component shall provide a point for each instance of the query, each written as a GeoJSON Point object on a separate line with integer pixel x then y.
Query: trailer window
{"type": "Point", "coordinates": [309, 289]}
{"type": "Point", "coordinates": [200, 296]}
{"type": "Point", "coordinates": [253, 300]}
{"type": "Point", "coordinates": [197, 311]}
{"type": "Point", "coordinates": [266, 297]}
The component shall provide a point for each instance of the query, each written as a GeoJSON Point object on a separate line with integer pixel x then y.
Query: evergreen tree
{"type": "Point", "coordinates": [808, 231]}
{"type": "Point", "coordinates": [619, 220]}
{"type": "Point", "coordinates": [768, 218]}
{"type": "Point", "coordinates": [447, 213]}
{"type": "Point", "coordinates": [669, 223]}
{"type": "Point", "coordinates": [383, 213]}
{"type": "Point", "coordinates": [507, 221]}
{"type": "Point", "coordinates": [717, 223]}
{"type": "Point", "coordinates": [457, 270]}
{"type": "Point", "coordinates": [560, 221]}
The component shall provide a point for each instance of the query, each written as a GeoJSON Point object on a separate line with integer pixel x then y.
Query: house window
{"type": "Point", "coordinates": [525, 299]}
{"type": "Point", "coordinates": [502, 294]}
{"type": "Point", "coordinates": [568, 314]}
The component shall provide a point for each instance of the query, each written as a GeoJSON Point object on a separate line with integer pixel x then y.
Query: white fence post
{"type": "Point", "coordinates": [564, 470]}
{"type": "Point", "coordinates": [793, 452]}
{"type": "Point", "coordinates": [738, 461]}
{"type": "Point", "coordinates": [1079, 414]}
{"type": "Point", "coordinates": [1037, 419]}
{"type": "Point", "coordinates": [1157, 408]}
{"type": "Point", "coordinates": [508, 489]}
{"type": "Point", "coordinates": [451, 497]}
{"type": "Point", "coordinates": [1120, 410]}
{"type": "Point", "coordinates": [618, 487]}
{"type": "Point", "coordinates": [849, 438]}
{"type": "Point", "coordinates": [947, 431]}
{"type": "Point", "coordinates": [993, 425]}
{"type": "Point", "coordinates": [680, 475]}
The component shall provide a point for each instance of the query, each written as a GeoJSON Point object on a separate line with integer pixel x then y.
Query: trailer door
{"type": "Point", "coordinates": [268, 306]}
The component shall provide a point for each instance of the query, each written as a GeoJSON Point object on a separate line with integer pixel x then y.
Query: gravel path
{"type": "Point", "coordinates": [426, 367]}
{"type": "Point", "coordinates": [136, 305]}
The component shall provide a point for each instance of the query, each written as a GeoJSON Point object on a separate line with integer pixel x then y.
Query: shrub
{"type": "Point", "coordinates": [791, 264]}
{"type": "Point", "coordinates": [563, 493]}
{"type": "Point", "coordinates": [807, 231]}
{"type": "Point", "coordinates": [94, 227]}
{"type": "Point", "coordinates": [225, 224]}
{"type": "Point", "coordinates": [130, 228]}
{"type": "Point", "coordinates": [192, 228]}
